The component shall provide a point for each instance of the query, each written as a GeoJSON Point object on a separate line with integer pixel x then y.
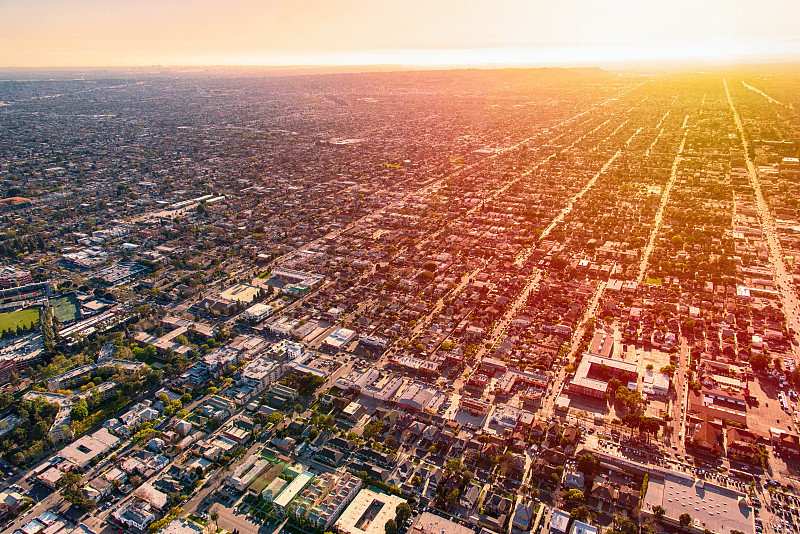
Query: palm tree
{"type": "Point", "coordinates": [214, 516]}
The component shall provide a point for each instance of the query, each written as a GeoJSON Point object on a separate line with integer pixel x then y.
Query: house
{"type": "Point", "coordinates": [706, 437]}
{"type": "Point", "coordinates": [489, 450]}
{"type": "Point", "coordinates": [98, 489]}
{"type": "Point", "coordinates": [604, 491]}
{"type": "Point", "coordinates": [545, 471]}
{"type": "Point", "coordinates": [136, 515]}
{"type": "Point", "coordinates": [559, 521]}
{"type": "Point", "coordinates": [523, 516]}
{"type": "Point", "coordinates": [328, 458]}
{"type": "Point", "coordinates": [554, 457]}
{"type": "Point", "coordinates": [574, 480]}
{"type": "Point", "coordinates": [628, 498]}
{"type": "Point", "coordinates": [538, 430]}
{"type": "Point", "coordinates": [579, 527]}
{"type": "Point", "coordinates": [496, 505]}
{"type": "Point", "coordinates": [470, 497]}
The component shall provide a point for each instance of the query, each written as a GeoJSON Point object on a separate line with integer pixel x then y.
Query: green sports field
{"type": "Point", "coordinates": [19, 319]}
{"type": "Point", "coordinates": [65, 308]}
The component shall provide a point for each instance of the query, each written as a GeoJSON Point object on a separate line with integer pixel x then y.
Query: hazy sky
{"type": "Point", "coordinates": [278, 32]}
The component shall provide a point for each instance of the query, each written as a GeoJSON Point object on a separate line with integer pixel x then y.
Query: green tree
{"type": "Point", "coordinates": [454, 465]}
{"type": "Point", "coordinates": [759, 362]}
{"type": "Point", "coordinates": [452, 497]}
{"type": "Point", "coordinates": [390, 527]}
{"type": "Point", "coordinates": [373, 429]}
{"type": "Point", "coordinates": [581, 513]}
{"type": "Point", "coordinates": [685, 520]}
{"type": "Point", "coordinates": [658, 512]}
{"type": "Point", "coordinates": [588, 464]}
{"type": "Point", "coordinates": [80, 411]}
{"type": "Point", "coordinates": [403, 512]}
{"type": "Point", "coordinates": [575, 495]}
{"type": "Point", "coordinates": [69, 480]}
{"type": "Point", "coordinates": [275, 418]}
{"type": "Point", "coordinates": [14, 379]}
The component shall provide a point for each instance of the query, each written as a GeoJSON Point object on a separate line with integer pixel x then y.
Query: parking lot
{"type": "Point", "coordinates": [768, 412]}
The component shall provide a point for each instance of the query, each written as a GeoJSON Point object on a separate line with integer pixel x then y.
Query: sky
{"type": "Point", "coordinates": [44, 33]}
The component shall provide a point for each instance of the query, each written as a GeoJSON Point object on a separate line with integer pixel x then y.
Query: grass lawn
{"type": "Point", "coordinates": [108, 409]}
{"type": "Point", "coordinates": [653, 281]}
{"type": "Point", "coordinates": [65, 308]}
{"type": "Point", "coordinates": [19, 319]}
{"type": "Point", "coordinates": [199, 520]}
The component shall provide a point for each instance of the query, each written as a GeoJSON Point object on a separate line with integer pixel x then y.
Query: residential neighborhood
{"type": "Point", "coordinates": [558, 301]}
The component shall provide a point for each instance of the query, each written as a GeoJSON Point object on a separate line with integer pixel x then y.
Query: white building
{"type": "Point", "coordinates": [655, 384]}
{"type": "Point", "coordinates": [368, 513]}
{"type": "Point", "coordinates": [291, 491]}
{"type": "Point", "coordinates": [257, 312]}
{"type": "Point", "coordinates": [260, 373]}
{"type": "Point", "coordinates": [137, 515]}
{"type": "Point", "coordinates": [180, 525]}
{"type": "Point", "coordinates": [340, 338]}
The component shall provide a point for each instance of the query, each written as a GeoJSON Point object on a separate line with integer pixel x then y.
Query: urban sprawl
{"type": "Point", "coordinates": [558, 301]}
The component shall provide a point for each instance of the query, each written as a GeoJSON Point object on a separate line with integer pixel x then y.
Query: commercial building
{"type": "Point", "coordinates": [475, 407]}
{"type": "Point", "coordinates": [10, 277]}
{"type": "Point", "coordinates": [254, 378]}
{"type": "Point", "coordinates": [384, 388]}
{"type": "Point", "coordinates": [591, 377]}
{"type": "Point", "coordinates": [418, 396]}
{"type": "Point", "coordinates": [340, 338]}
{"type": "Point", "coordinates": [515, 380]}
{"type": "Point", "coordinates": [358, 379]}
{"type": "Point", "coordinates": [86, 448]}
{"type": "Point", "coordinates": [418, 366]}
{"type": "Point", "coordinates": [369, 512]}
{"type": "Point", "coordinates": [285, 350]}
{"type": "Point", "coordinates": [50, 477]}
{"type": "Point", "coordinates": [179, 525]}
{"type": "Point", "coordinates": [428, 523]}
{"type": "Point", "coordinates": [373, 341]}
{"type": "Point", "coordinates": [655, 384]}
{"type": "Point", "coordinates": [297, 281]}
{"type": "Point", "coordinates": [257, 312]}
{"type": "Point", "coordinates": [711, 507]}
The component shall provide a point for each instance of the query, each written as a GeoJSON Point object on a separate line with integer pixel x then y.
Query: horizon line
{"type": "Point", "coordinates": [527, 57]}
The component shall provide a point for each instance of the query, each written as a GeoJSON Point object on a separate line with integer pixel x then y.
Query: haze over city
{"type": "Point", "coordinates": [43, 33]}
{"type": "Point", "coordinates": [408, 267]}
